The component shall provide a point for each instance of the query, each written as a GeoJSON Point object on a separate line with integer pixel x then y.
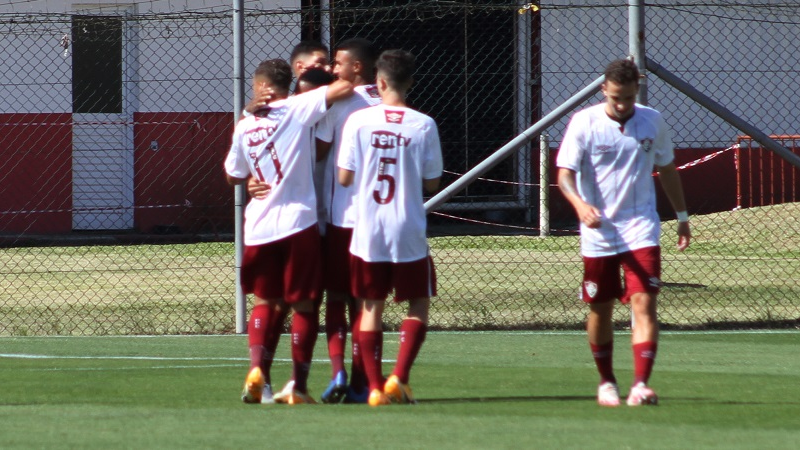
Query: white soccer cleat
{"type": "Point", "coordinates": [266, 395]}
{"type": "Point", "coordinates": [642, 395]}
{"type": "Point", "coordinates": [284, 394]}
{"type": "Point", "coordinates": [608, 394]}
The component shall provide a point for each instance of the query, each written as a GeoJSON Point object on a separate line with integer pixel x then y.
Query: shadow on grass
{"type": "Point", "coordinates": [587, 398]}
{"type": "Point", "coordinates": [531, 398]}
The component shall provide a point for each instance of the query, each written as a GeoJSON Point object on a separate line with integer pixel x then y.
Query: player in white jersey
{"type": "Point", "coordinates": [354, 61]}
{"type": "Point", "coordinates": [281, 265]}
{"type": "Point", "coordinates": [606, 162]}
{"type": "Point", "coordinates": [307, 57]}
{"type": "Point", "coordinates": [390, 153]}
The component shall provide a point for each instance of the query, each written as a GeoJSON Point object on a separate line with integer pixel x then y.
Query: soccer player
{"type": "Point", "coordinates": [354, 61]}
{"type": "Point", "coordinates": [281, 264]}
{"type": "Point", "coordinates": [390, 153]}
{"type": "Point", "coordinates": [308, 60]}
{"type": "Point", "coordinates": [605, 167]}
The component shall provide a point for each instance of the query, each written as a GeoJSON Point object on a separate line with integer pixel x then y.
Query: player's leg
{"type": "Point", "coordinates": [371, 283]}
{"type": "Point", "coordinates": [305, 327]}
{"type": "Point", "coordinates": [371, 344]}
{"type": "Point", "coordinates": [336, 257]}
{"type": "Point", "coordinates": [336, 332]}
{"type": "Point", "coordinates": [357, 389]}
{"type": "Point", "coordinates": [415, 281]}
{"type": "Point", "coordinates": [302, 275]}
{"type": "Point", "coordinates": [601, 286]}
{"type": "Point", "coordinates": [642, 273]}
{"type": "Point", "coordinates": [258, 279]}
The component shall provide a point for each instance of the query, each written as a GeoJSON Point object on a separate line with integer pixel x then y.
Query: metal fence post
{"type": "Point", "coordinates": [239, 191]}
{"type": "Point", "coordinates": [544, 185]}
{"type": "Point", "coordinates": [636, 46]}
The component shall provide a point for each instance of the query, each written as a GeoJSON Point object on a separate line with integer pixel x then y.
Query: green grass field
{"type": "Point", "coordinates": [475, 390]}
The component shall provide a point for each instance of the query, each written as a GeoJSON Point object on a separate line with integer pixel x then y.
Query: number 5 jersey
{"type": "Point", "coordinates": [391, 150]}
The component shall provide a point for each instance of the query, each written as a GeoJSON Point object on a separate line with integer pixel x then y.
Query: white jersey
{"type": "Point", "coordinates": [391, 150]}
{"type": "Point", "coordinates": [339, 206]}
{"type": "Point", "coordinates": [614, 166]}
{"type": "Point", "coordinates": [277, 149]}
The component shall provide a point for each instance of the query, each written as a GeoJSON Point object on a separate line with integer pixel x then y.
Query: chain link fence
{"type": "Point", "coordinates": [114, 121]}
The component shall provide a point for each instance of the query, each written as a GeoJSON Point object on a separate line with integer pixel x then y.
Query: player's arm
{"type": "Point", "coordinates": [346, 177]}
{"type": "Point", "coordinates": [323, 148]}
{"type": "Point", "coordinates": [671, 182]}
{"type": "Point", "coordinates": [587, 214]}
{"type": "Point", "coordinates": [431, 185]}
{"type": "Point", "coordinates": [338, 90]}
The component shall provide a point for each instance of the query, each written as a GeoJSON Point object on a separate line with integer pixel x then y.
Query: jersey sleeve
{"type": "Point", "coordinates": [347, 145]}
{"type": "Point", "coordinates": [664, 148]}
{"type": "Point", "coordinates": [572, 146]}
{"type": "Point", "coordinates": [433, 165]}
{"type": "Point", "coordinates": [236, 163]}
{"type": "Point", "coordinates": [309, 107]}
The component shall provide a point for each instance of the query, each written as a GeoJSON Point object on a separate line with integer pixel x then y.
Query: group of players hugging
{"type": "Point", "coordinates": [336, 172]}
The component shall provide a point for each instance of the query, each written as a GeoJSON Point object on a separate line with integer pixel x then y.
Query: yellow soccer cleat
{"type": "Point", "coordinates": [378, 398]}
{"type": "Point", "coordinates": [398, 392]}
{"type": "Point", "coordinates": [253, 386]}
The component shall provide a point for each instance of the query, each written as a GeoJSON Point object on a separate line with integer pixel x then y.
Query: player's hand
{"type": "Point", "coordinates": [260, 101]}
{"type": "Point", "coordinates": [589, 215]}
{"type": "Point", "coordinates": [684, 235]}
{"type": "Point", "coordinates": [258, 189]}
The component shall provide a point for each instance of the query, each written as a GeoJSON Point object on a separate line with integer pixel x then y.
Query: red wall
{"type": "Point", "coordinates": [180, 187]}
{"type": "Point", "coordinates": [35, 173]}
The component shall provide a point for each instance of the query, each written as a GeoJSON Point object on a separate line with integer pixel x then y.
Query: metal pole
{"type": "Point", "coordinates": [636, 44]}
{"type": "Point", "coordinates": [723, 113]}
{"type": "Point", "coordinates": [544, 185]}
{"type": "Point", "coordinates": [526, 136]}
{"type": "Point", "coordinates": [240, 199]}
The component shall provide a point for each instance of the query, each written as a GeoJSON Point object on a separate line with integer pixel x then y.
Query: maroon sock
{"type": "Point", "coordinates": [371, 346]}
{"type": "Point", "coordinates": [336, 331]}
{"type": "Point", "coordinates": [275, 318]}
{"type": "Point", "coordinates": [304, 335]}
{"type": "Point", "coordinates": [644, 357]}
{"type": "Point", "coordinates": [257, 329]}
{"type": "Point", "coordinates": [412, 335]}
{"type": "Point", "coordinates": [358, 379]}
{"type": "Point", "coordinates": [604, 359]}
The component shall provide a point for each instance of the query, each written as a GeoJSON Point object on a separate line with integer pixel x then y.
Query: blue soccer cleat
{"type": "Point", "coordinates": [354, 397]}
{"type": "Point", "coordinates": [336, 389]}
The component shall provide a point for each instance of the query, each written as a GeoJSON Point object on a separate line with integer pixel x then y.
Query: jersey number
{"type": "Point", "coordinates": [390, 183]}
{"type": "Point", "coordinates": [275, 161]}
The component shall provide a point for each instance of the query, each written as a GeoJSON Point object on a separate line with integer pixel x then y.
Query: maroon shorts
{"type": "Point", "coordinates": [601, 276]}
{"type": "Point", "coordinates": [336, 259]}
{"type": "Point", "coordinates": [288, 268]}
{"type": "Point", "coordinates": [374, 280]}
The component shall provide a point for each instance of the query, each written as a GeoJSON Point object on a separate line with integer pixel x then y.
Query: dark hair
{"type": "Point", "coordinates": [277, 71]}
{"type": "Point", "coordinates": [362, 50]}
{"type": "Point", "coordinates": [398, 68]}
{"type": "Point", "coordinates": [306, 48]}
{"type": "Point", "coordinates": [316, 77]}
{"type": "Point", "coordinates": [622, 71]}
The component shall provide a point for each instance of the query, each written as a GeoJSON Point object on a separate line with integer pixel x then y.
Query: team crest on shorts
{"type": "Point", "coordinates": [647, 145]}
{"type": "Point", "coordinates": [591, 288]}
